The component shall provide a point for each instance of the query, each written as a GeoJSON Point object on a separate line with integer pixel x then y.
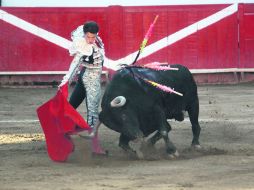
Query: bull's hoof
{"type": "Point", "coordinates": [173, 155]}
{"type": "Point", "coordinates": [135, 154]}
{"type": "Point", "coordinates": [136, 146]}
{"type": "Point", "coordinates": [196, 146]}
{"type": "Point", "coordinates": [132, 154]}
{"type": "Point", "coordinates": [149, 151]}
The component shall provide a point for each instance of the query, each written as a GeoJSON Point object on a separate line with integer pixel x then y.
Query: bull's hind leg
{"type": "Point", "coordinates": [193, 112]}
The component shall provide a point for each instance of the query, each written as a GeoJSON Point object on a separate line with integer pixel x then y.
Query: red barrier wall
{"type": "Point", "coordinates": [246, 35]}
{"type": "Point", "coordinates": [226, 44]}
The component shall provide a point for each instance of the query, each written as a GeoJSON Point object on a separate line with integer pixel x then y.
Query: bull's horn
{"type": "Point", "coordinates": [118, 101]}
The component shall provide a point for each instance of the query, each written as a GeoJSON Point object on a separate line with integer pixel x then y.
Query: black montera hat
{"type": "Point", "coordinates": [91, 26]}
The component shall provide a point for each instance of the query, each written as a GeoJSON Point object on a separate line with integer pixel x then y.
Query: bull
{"type": "Point", "coordinates": [137, 109]}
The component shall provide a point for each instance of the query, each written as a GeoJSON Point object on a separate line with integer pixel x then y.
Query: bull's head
{"type": "Point", "coordinates": [122, 117]}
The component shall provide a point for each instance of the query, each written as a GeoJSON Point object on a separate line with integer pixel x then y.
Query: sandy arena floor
{"type": "Point", "coordinates": [226, 161]}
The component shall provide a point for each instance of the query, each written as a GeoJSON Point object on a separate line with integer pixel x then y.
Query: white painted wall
{"type": "Point", "coordinates": [105, 3]}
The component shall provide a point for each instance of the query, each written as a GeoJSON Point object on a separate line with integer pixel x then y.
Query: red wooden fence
{"type": "Point", "coordinates": [222, 51]}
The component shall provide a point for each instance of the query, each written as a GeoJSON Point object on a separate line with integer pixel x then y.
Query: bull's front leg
{"type": "Point", "coordinates": [152, 140]}
{"type": "Point", "coordinates": [170, 147]}
{"type": "Point", "coordinates": [164, 129]}
{"type": "Point", "coordinates": [124, 144]}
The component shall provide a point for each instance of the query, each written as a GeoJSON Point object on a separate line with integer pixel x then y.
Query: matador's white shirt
{"type": "Point", "coordinates": [80, 48]}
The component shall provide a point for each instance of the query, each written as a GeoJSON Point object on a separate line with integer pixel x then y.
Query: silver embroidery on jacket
{"type": "Point", "coordinates": [92, 76]}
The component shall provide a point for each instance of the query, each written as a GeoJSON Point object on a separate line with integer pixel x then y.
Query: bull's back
{"type": "Point", "coordinates": [180, 77]}
{"type": "Point", "coordinates": [130, 83]}
{"type": "Point", "coordinates": [183, 82]}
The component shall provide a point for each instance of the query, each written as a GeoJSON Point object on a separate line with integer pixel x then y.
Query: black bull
{"type": "Point", "coordinates": [136, 109]}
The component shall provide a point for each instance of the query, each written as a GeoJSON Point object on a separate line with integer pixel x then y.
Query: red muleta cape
{"type": "Point", "coordinates": [59, 120]}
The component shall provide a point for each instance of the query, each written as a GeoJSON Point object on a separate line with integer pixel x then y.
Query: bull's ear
{"type": "Point", "coordinates": [118, 101]}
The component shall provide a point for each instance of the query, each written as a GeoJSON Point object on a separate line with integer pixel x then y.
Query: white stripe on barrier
{"type": "Point", "coordinates": [114, 65]}
{"type": "Point", "coordinates": [172, 38]}
{"type": "Point", "coordinates": [49, 36]}
{"type": "Point", "coordinates": [194, 71]}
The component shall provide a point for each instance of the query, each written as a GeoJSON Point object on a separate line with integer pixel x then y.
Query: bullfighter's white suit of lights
{"type": "Point", "coordinates": [91, 78]}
